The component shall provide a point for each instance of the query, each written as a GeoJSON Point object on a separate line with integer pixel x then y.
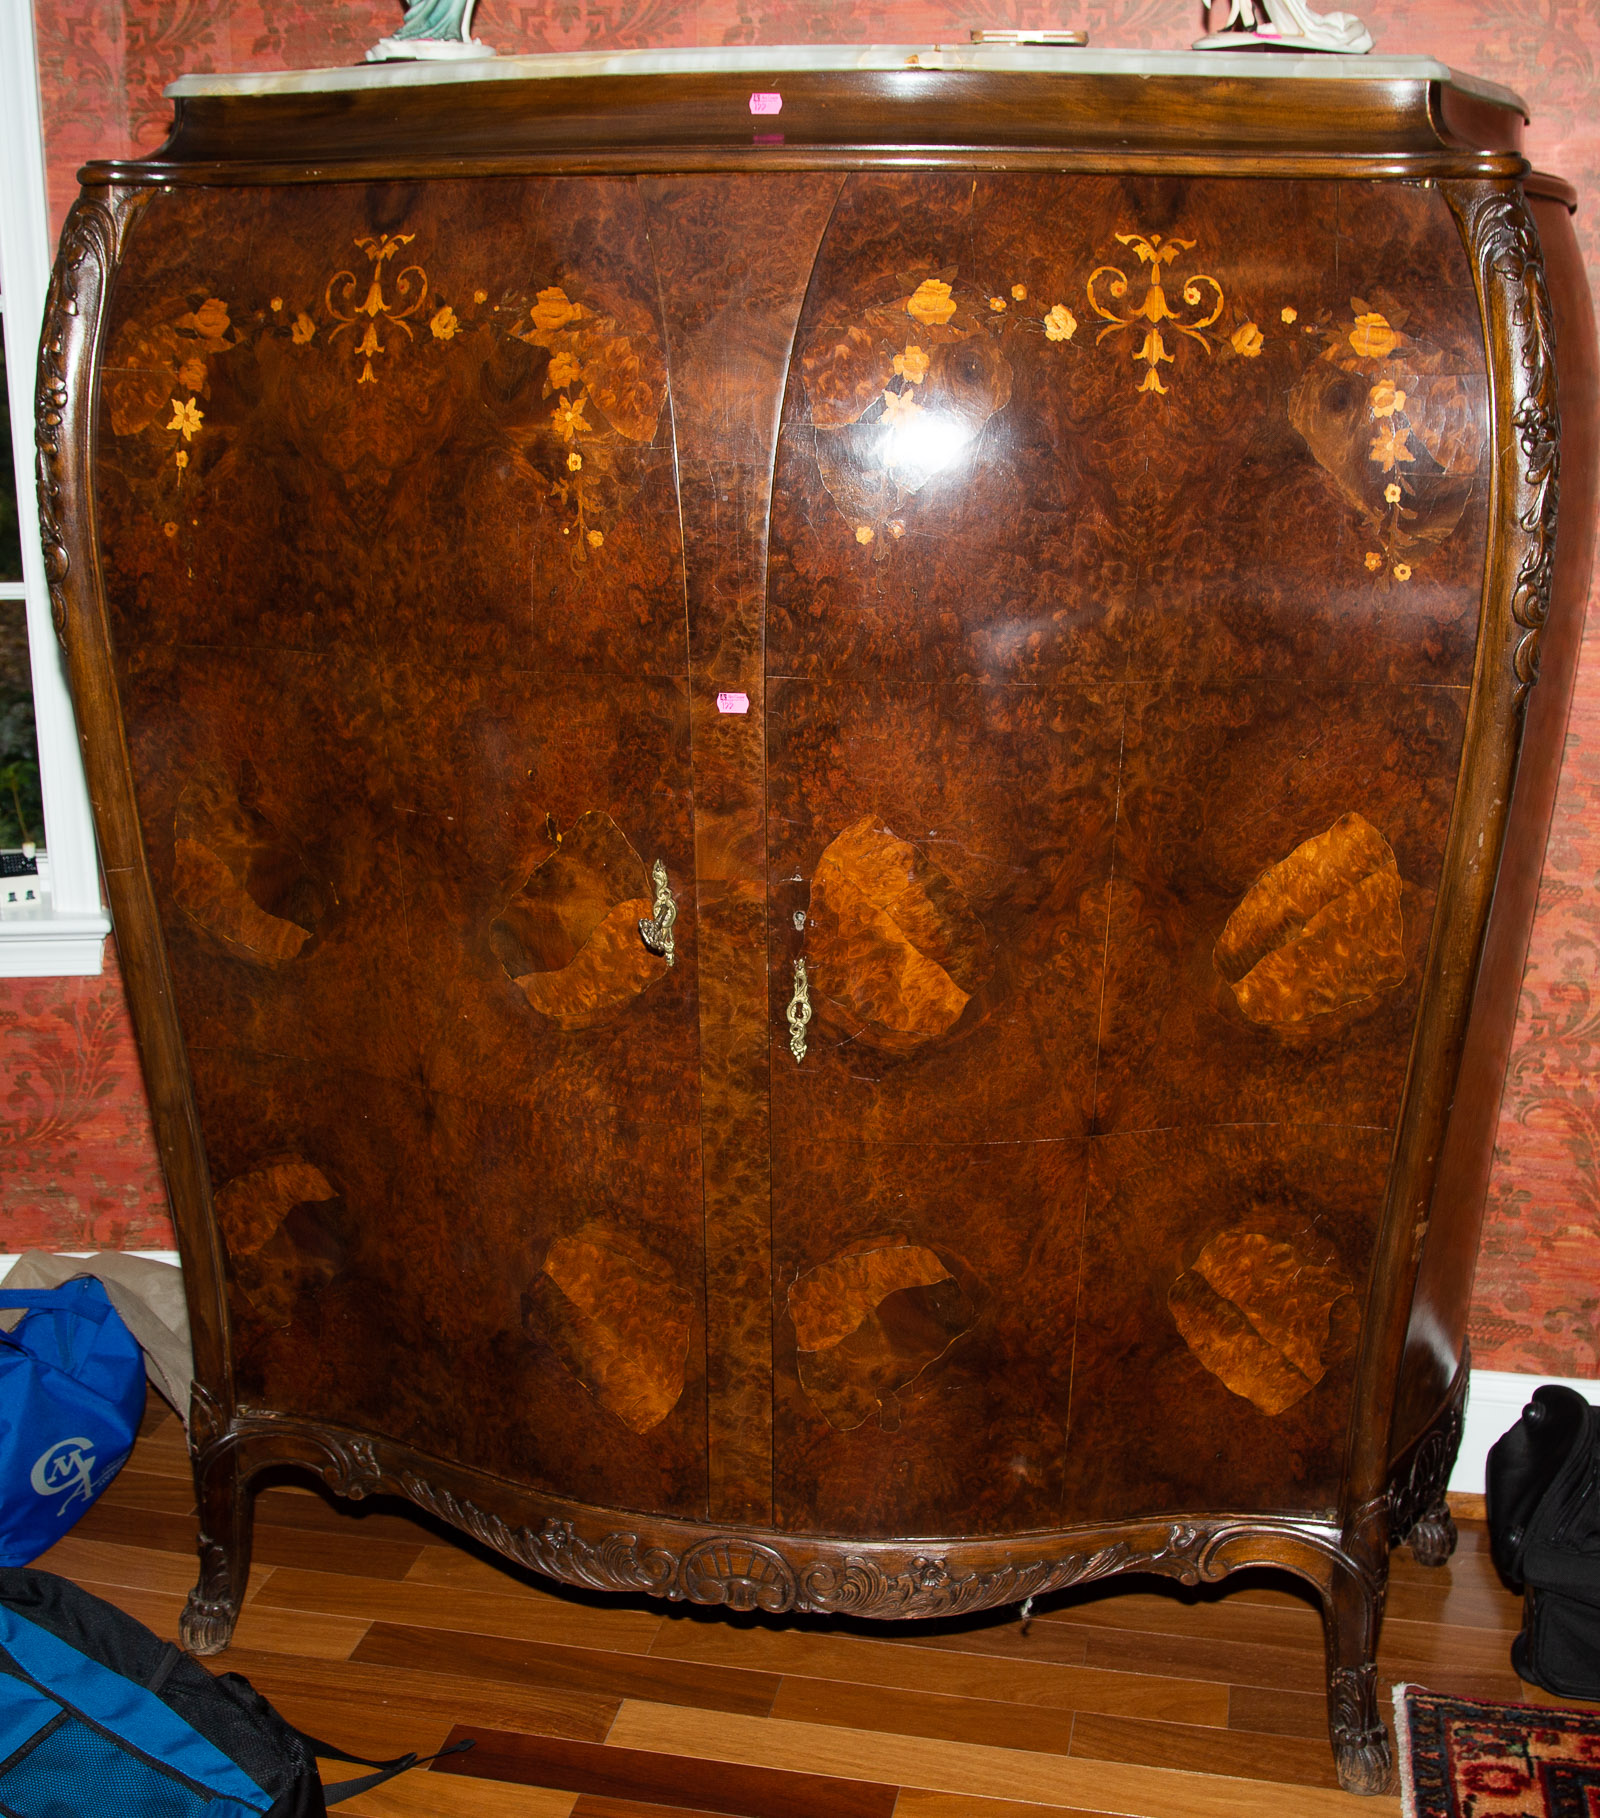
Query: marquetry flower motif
{"type": "Point", "coordinates": [596, 538]}
{"type": "Point", "coordinates": [1248, 340]}
{"type": "Point", "coordinates": [562, 371]}
{"type": "Point", "coordinates": [210, 320]}
{"type": "Point", "coordinates": [192, 373]}
{"type": "Point", "coordinates": [574, 461]}
{"type": "Point", "coordinates": [863, 533]}
{"type": "Point", "coordinates": [900, 408]}
{"type": "Point", "coordinates": [912, 364]}
{"type": "Point", "coordinates": [444, 323]}
{"type": "Point", "coordinates": [1402, 571]}
{"type": "Point", "coordinates": [554, 309]}
{"type": "Point", "coordinates": [169, 529]}
{"type": "Point", "coordinates": [181, 459]}
{"type": "Point", "coordinates": [480, 296]}
{"type": "Point", "coordinates": [304, 328]}
{"type": "Point", "coordinates": [1374, 561]}
{"type": "Point", "coordinates": [1385, 400]}
{"type": "Point", "coordinates": [1060, 324]}
{"type": "Point", "coordinates": [1288, 314]}
{"type": "Point", "coordinates": [931, 302]}
{"type": "Point", "coordinates": [1019, 293]}
{"type": "Point", "coordinates": [277, 305]}
{"type": "Point", "coordinates": [1391, 493]}
{"type": "Point", "coordinates": [186, 419]}
{"type": "Point", "coordinates": [1390, 445]}
{"type": "Point", "coordinates": [569, 420]}
{"type": "Point", "coordinates": [997, 304]}
{"type": "Point", "coordinates": [1372, 337]}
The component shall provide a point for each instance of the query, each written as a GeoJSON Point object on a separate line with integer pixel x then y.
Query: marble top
{"type": "Point", "coordinates": [758, 60]}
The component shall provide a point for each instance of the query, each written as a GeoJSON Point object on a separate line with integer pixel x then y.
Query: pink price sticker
{"type": "Point", "coordinates": [766, 104]}
{"type": "Point", "coordinates": [733, 703]}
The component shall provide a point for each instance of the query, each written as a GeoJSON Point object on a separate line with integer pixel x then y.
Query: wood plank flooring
{"type": "Point", "coordinates": [372, 1628]}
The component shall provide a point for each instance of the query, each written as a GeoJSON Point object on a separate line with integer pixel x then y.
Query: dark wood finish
{"type": "Point", "coordinates": [1126, 584]}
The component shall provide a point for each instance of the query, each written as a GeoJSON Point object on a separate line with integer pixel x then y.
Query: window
{"type": "Point", "coordinates": [51, 919]}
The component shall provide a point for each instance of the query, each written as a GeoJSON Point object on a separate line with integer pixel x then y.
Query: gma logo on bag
{"type": "Point", "coordinates": [66, 1469]}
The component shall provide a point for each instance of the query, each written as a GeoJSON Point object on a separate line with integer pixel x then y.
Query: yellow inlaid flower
{"type": "Point", "coordinates": [277, 304]}
{"type": "Point", "coordinates": [931, 302]}
{"type": "Point", "coordinates": [562, 371]}
{"type": "Point", "coordinates": [1248, 340]}
{"type": "Point", "coordinates": [863, 533]}
{"type": "Point", "coordinates": [596, 538]}
{"type": "Point", "coordinates": [1374, 561]}
{"type": "Point", "coordinates": [211, 319]}
{"type": "Point", "coordinates": [182, 457]}
{"type": "Point", "coordinates": [569, 419]}
{"type": "Point", "coordinates": [1019, 293]}
{"type": "Point", "coordinates": [186, 419]}
{"type": "Point", "coordinates": [192, 373]}
{"type": "Point", "coordinates": [1390, 445]}
{"type": "Point", "coordinates": [304, 328]}
{"type": "Point", "coordinates": [1391, 493]}
{"type": "Point", "coordinates": [1402, 571]}
{"type": "Point", "coordinates": [900, 407]}
{"type": "Point", "coordinates": [574, 461]}
{"type": "Point", "coordinates": [1061, 324]}
{"type": "Point", "coordinates": [1288, 313]}
{"type": "Point", "coordinates": [480, 296]}
{"type": "Point", "coordinates": [444, 323]}
{"type": "Point", "coordinates": [912, 364]}
{"type": "Point", "coordinates": [1372, 337]}
{"type": "Point", "coordinates": [554, 309]}
{"type": "Point", "coordinates": [169, 530]}
{"type": "Point", "coordinates": [997, 303]}
{"type": "Point", "coordinates": [1385, 400]}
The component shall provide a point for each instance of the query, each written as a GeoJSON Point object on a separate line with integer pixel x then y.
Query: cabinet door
{"type": "Point", "coordinates": [386, 485]}
{"type": "Point", "coordinates": [1126, 549]}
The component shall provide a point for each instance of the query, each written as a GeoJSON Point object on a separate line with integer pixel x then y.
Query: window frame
{"type": "Point", "coordinates": [70, 939]}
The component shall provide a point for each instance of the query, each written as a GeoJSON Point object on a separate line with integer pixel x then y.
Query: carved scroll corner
{"type": "Point", "coordinates": [1503, 242]}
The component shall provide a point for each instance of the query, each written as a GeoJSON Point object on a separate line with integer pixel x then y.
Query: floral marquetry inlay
{"type": "Point", "coordinates": [1201, 297]}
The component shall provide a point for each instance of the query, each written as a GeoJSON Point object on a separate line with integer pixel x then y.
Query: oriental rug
{"type": "Point", "coordinates": [1463, 1759]}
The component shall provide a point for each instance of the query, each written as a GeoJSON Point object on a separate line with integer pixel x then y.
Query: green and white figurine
{"type": "Point", "coordinates": [432, 29]}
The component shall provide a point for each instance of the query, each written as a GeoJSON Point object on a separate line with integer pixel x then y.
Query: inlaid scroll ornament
{"type": "Point", "coordinates": [1504, 244]}
{"type": "Point", "coordinates": [895, 952]}
{"type": "Point", "coordinates": [240, 878]}
{"type": "Point", "coordinates": [394, 310]}
{"type": "Point", "coordinates": [1266, 1316]}
{"type": "Point", "coordinates": [1399, 425]}
{"type": "Point", "coordinates": [618, 1318]}
{"type": "Point", "coordinates": [900, 393]}
{"type": "Point", "coordinates": [1319, 931]}
{"type": "Point", "coordinates": [869, 1321]}
{"type": "Point", "coordinates": [1201, 298]}
{"type": "Point", "coordinates": [571, 938]}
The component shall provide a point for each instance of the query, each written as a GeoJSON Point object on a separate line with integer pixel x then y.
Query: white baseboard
{"type": "Point", "coordinates": [1495, 1398]}
{"type": "Point", "coordinates": [9, 1258]}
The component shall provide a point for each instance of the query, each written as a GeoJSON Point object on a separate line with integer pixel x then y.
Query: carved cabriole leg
{"type": "Point", "coordinates": [227, 1516]}
{"type": "Point", "coordinates": [1352, 1608]}
{"type": "Point", "coordinates": [1417, 1507]}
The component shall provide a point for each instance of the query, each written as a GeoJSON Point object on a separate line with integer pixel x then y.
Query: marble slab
{"type": "Point", "coordinates": [760, 60]}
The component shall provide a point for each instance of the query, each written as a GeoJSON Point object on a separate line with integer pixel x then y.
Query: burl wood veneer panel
{"type": "Point", "coordinates": [1124, 593]}
{"type": "Point", "coordinates": [409, 680]}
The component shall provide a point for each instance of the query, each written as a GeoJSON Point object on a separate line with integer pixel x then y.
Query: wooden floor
{"type": "Point", "coordinates": [374, 1630]}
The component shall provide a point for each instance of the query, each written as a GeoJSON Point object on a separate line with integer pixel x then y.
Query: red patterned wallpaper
{"type": "Point", "coordinates": [73, 1108]}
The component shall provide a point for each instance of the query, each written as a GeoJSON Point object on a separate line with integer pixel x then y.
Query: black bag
{"type": "Point", "coordinates": [1542, 1495]}
{"type": "Point", "coordinates": [99, 1715]}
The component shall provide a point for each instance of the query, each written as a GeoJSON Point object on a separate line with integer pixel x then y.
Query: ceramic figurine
{"type": "Point", "coordinates": [1288, 25]}
{"type": "Point", "coordinates": [432, 29]}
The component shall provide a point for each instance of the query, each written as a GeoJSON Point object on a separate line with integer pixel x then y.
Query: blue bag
{"type": "Point", "coordinates": [72, 1390]}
